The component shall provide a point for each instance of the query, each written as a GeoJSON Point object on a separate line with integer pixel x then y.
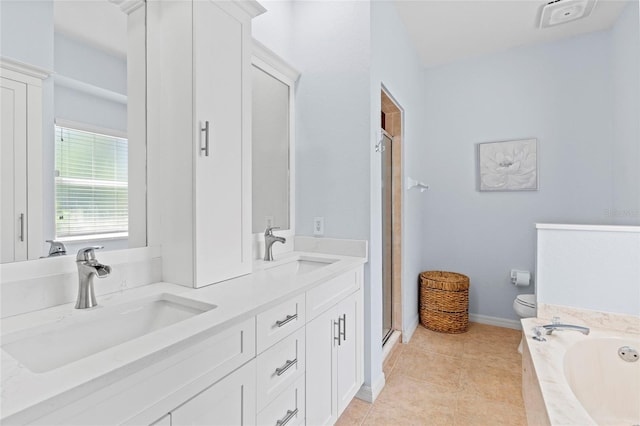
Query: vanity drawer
{"type": "Point", "coordinates": [279, 366]}
{"type": "Point", "coordinates": [324, 296]}
{"type": "Point", "coordinates": [280, 321]}
{"type": "Point", "coordinates": [288, 405]}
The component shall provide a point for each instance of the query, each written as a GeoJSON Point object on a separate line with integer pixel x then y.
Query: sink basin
{"type": "Point", "coordinates": [51, 346]}
{"type": "Point", "coordinates": [300, 266]}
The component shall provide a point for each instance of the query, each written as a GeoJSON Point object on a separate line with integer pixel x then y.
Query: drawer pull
{"type": "Point", "coordinates": [343, 332]}
{"type": "Point", "coordinates": [289, 416]}
{"type": "Point", "coordinates": [337, 336]}
{"type": "Point", "coordinates": [288, 319]}
{"type": "Point", "coordinates": [280, 371]}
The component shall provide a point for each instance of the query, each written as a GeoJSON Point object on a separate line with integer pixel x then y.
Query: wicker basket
{"type": "Point", "coordinates": [444, 301]}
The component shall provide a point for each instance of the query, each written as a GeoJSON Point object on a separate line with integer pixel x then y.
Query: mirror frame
{"type": "Point", "coordinates": [269, 62]}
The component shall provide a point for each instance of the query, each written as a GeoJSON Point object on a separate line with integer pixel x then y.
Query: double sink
{"type": "Point", "coordinates": [48, 347]}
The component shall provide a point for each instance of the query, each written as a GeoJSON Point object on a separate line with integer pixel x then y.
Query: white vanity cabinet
{"type": "Point", "coordinates": [200, 137]}
{"type": "Point", "coordinates": [280, 337]}
{"type": "Point", "coordinates": [334, 351]}
{"type": "Point", "coordinates": [229, 402]}
{"type": "Point", "coordinates": [295, 362]}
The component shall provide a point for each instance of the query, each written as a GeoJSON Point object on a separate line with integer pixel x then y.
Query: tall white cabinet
{"type": "Point", "coordinates": [20, 161]}
{"type": "Point", "coordinates": [13, 154]}
{"type": "Point", "coordinates": [199, 113]}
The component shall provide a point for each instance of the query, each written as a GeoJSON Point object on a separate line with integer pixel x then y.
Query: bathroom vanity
{"type": "Point", "coordinates": [281, 344]}
{"type": "Point", "coordinates": [268, 343]}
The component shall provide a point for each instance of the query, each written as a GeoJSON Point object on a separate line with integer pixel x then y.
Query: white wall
{"type": "Point", "coordinates": [329, 43]}
{"type": "Point", "coordinates": [345, 52]}
{"type": "Point", "coordinates": [396, 65]}
{"type": "Point", "coordinates": [560, 93]}
{"type": "Point", "coordinates": [596, 269]}
{"type": "Point", "coordinates": [83, 63]}
{"type": "Point", "coordinates": [25, 31]}
{"type": "Point", "coordinates": [626, 114]}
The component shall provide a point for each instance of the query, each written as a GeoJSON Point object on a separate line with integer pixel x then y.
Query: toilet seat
{"type": "Point", "coordinates": [525, 305]}
{"type": "Point", "coordinates": [528, 300]}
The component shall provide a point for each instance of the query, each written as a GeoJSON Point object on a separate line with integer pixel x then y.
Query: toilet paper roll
{"type": "Point", "coordinates": [523, 278]}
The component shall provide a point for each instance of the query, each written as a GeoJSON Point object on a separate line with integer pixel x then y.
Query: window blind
{"type": "Point", "coordinates": [91, 184]}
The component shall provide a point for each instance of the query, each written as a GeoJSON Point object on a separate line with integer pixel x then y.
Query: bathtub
{"type": "Point", "coordinates": [573, 379]}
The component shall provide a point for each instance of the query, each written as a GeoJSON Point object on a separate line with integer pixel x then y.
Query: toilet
{"type": "Point", "coordinates": [525, 305]}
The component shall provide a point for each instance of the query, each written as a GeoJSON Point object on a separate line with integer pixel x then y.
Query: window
{"type": "Point", "coordinates": [91, 185]}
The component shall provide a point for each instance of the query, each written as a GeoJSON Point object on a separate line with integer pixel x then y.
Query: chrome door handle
{"type": "Point", "coordinates": [288, 319]}
{"type": "Point", "coordinates": [334, 329]}
{"type": "Point", "coordinates": [290, 363]}
{"type": "Point", "coordinates": [343, 321]}
{"type": "Point", "coordinates": [290, 414]}
{"type": "Point", "coordinates": [205, 129]}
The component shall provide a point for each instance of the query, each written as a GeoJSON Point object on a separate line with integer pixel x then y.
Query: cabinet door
{"type": "Point", "coordinates": [13, 157]}
{"type": "Point", "coordinates": [222, 202]}
{"type": "Point", "coordinates": [231, 401]}
{"type": "Point", "coordinates": [321, 343]}
{"type": "Point", "coordinates": [349, 352]}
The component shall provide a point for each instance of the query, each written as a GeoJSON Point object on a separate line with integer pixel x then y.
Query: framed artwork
{"type": "Point", "coordinates": [508, 165]}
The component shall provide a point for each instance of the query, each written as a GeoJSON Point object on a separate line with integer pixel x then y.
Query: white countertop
{"type": "Point", "coordinates": [576, 227]}
{"type": "Point", "coordinates": [236, 299]}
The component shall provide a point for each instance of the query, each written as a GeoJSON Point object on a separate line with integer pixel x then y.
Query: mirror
{"type": "Point", "coordinates": [272, 141]}
{"type": "Point", "coordinates": [93, 133]}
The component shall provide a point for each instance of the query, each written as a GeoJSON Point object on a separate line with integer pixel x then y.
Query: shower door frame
{"type": "Point", "coordinates": [386, 183]}
{"type": "Point", "coordinates": [392, 121]}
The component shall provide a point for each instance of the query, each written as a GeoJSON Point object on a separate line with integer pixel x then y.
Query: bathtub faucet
{"type": "Point", "coordinates": [550, 328]}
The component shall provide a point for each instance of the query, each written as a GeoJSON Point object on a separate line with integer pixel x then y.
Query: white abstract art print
{"type": "Point", "coordinates": [508, 165]}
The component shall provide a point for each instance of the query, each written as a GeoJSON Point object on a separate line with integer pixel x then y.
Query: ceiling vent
{"type": "Point", "coordinates": [562, 11]}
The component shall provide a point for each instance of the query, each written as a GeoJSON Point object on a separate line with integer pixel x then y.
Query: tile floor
{"type": "Point", "coordinates": [465, 379]}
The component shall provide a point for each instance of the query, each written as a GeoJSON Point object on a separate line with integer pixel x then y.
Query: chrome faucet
{"type": "Point", "coordinates": [550, 328]}
{"type": "Point", "coordinates": [269, 239]}
{"type": "Point", "coordinates": [56, 249]}
{"type": "Point", "coordinates": [88, 266]}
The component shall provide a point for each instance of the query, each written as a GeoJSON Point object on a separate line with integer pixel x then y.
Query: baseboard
{"type": "Point", "coordinates": [498, 322]}
{"type": "Point", "coordinates": [406, 334]}
{"type": "Point", "coordinates": [370, 393]}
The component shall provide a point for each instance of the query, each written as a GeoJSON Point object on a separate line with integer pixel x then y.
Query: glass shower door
{"type": "Point", "coordinates": [387, 235]}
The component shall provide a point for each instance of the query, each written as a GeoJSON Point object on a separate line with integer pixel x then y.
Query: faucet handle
{"type": "Point", "coordinates": [87, 253]}
{"type": "Point", "coordinates": [57, 248]}
{"type": "Point", "coordinates": [537, 334]}
{"type": "Point", "coordinates": [269, 230]}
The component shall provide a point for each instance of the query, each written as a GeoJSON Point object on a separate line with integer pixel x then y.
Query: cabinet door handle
{"type": "Point", "coordinates": [290, 363]}
{"type": "Point", "coordinates": [205, 129]}
{"type": "Point", "coordinates": [343, 331]}
{"type": "Point", "coordinates": [337, 336]}
{"type": "Point", "coordinates": [290, 414]}
{"type": "Point", "coordinates": [21, 227]}
{"type": "Point", "coordinates": [288, 319]}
